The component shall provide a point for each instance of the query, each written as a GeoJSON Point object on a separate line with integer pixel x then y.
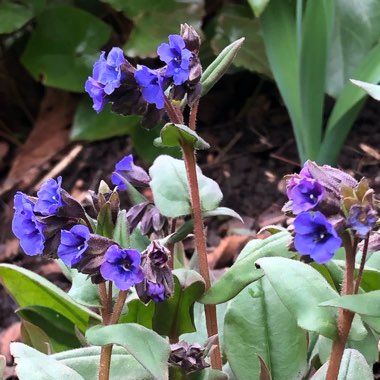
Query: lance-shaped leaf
{"type": "Point", "coordinates": [170, 189]}
{"type": "Point", "coordinates": [86, 360]}
{"type": "Point", "coordinates": [220, 65]}
{"type": "Point", "coordinates": [302, 289]}
{"type": "Point", "coordinates": [34, 365]}
{"type": "Point", "coordinates": [352, 367]}
{"type": "Point", "coordinates": [105, 224]}
{"type": "Point", "coordinates": [59, 329]}
{"type": "Point", "coordinates": [258, 6]}
{"type": "Point", "coordinates": [175, 134]}
{"type": "Point", "coordinates": [364, 304]}
{"type": "Point", "coordinates": [28, 288]}
{"type": "Point", "coordinates": [371, 89]}
{"type": "Point", "coordinates": [147, 347]}
{"type": "Point", "coordinates": [258, 323]}
{"type": "Point", "coordinates": [139, 313]}
{"type": "Point", "coordinates": [244, 272]}
{"type": "Point", "coordinates": [35, 337]}
{"type": "Point", "coordinates": [175, 316]}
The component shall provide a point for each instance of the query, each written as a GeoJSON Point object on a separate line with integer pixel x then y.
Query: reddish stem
{"type": "Point", "coordinates": [345, 317]}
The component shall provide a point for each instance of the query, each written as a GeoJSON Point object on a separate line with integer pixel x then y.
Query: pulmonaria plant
{"type": "Point", "coordinates": [327, 203]}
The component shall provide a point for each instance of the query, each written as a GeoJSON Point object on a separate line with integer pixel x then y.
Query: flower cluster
{"type": "Point", "coordinates": [326, 203]}
{"type": "Point", "coordinates": [54, 224]}
{"type": "Point", "coordinates": [141, 90]}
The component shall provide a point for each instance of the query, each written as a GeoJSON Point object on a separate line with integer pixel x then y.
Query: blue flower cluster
{"type": "Point", "coordinates": [326, 202]}
{"type": "Point", "coordinates": [115, 72]}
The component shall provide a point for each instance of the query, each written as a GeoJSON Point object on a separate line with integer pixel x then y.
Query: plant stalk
{"type": "Point", "coordinates": [345, 317]}
{"type": "Point", "coordinates": [362, 264]}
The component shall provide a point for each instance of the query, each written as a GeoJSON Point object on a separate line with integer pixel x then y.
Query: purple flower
{"type": "Point", "coordinates": [177, 58]}
{"type": "Point", "coordinates": [305, 194]}
{"type": "Point", "coordinates": [315, 236]}
{"type": "Point", "coordinates": [122, 266]}
{"type": "Point", "coordinates": [26, 226]}
{"type": "Point", "coordinates": [151, 83]}
{"type": "Point", "coordinates": [155, 291]}
{"type": "Point", "coordinates": [126, 169]}
{"type": "Point", "coordinates": [49, 197]}
{"type": "Point", "coordinates": [73, 244]}
{"type": "Point", "coordinates": [362, 219]}
{"type": "Point", "coordinates": [106, 77]}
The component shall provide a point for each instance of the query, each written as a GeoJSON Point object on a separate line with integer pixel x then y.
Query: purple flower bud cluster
{"type": "Point", "coordinates": [326, 202]}
{"type": "Point", "coordinates": [132, 90]}
{"type": "Point", "coordinates": [55, 225]}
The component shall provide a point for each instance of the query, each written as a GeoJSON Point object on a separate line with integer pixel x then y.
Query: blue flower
{"type": "Point", "coordinates": [362, 219]}
{"type": "Point", "coordinates": [49, 197]}
{"type": "Point", "coordinates": [122, 266]}
{"type": "Point", "coordinates": [306, 193]}
{"type": "Point", "coordinates": [73, 244]}
{"type": "Point", "coordinates": [316, 237]}
{"type": "Point", "coordinates": [177, 58]}
{"type": "Point", "coordinates": [106, 77]}
{"type": "Point", "coordinates": [126, 170]}
{"type": "Point", "coordinates": [26, 226]}
{"type": "Point", "coordinates": [155, 291]}
{"type": "Point", "coordinates": [151, 83]}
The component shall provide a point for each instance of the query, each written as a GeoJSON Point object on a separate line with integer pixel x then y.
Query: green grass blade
{"type": "Point", "coordinates": [316, 29]}
{"type": "Point", "coordinates": [280, 37]}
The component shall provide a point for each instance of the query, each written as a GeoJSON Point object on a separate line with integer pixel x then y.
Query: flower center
{"type": "Point", "coordinates": [126, 265]}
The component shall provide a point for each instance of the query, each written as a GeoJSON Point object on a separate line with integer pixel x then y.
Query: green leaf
{"type": "Point", "coordinates": [3, 364]}
{"type": "Point", "coordinates": [316, 31]}
{"type": "Point", "coordinates": [372, 90]}
{"type": "Point", "coordinates": [170, 190]}
{"type": "Point", "coordinates": [175, 316]}
{"type": "Point", "coordinates": [279, 20]}
{"type": "Point", "coordinates": [348, 106]}
{"type": "Point", "coordinates": [233, 23]}
{"type": "Point", "coordinates": [157, 22]}
{"type": "Point", "coordinates": [105, 226]}
{"type": "Point", "coordinates": [207, 374]}
{"type": "Point", "coordinates": [357, 30]}
{"type": "Point", "coordinates": [64, 46]}
{"type": "Point", "coordinates": [138, 240]}
{"type": "Point", "coordinates": [219, 66]}
{"type": "Point", "coordinates": [147, 347]}
{"type": "Point", "coordinates": [92, 126]}
{"type": "Point", "coordinates": [364, 304]}
{"type": "Point", "coordinates": [82, 290]}
{"type": "Point", "coordinates": [257, 323]}
{"type": "Point", "coordinates": [243, 271]}
{"type": "Point", "coordinates": [14, 15]}
{"type": "Point", "coordinates": [302, 289]}
{"type": "Point", "coordinates": [121, 233]}
{"type": "Point", "coordinates": [222, 211]}
{"type": "Point", "coordinates": [35, 337]}
{"type": "Point", "coordinates": [86, 360]}
{"type": "Point", "coordinates": [59, 329]}
{"type": "Point", "coordinates": [139, 313]}
{"type": "Point", "coordinates": [34, 365]}
{"type": "Point", "coordinates": [175, 134]}
{"type": "Point", "coordinates": [352, 367]}
{"type": "Point", "coordinates": [258, 6]}
{"type": "Point", "coordinates": [28, 289]}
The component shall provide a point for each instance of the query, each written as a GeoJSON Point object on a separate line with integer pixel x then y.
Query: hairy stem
{"type": "Point", "coordinates": [106, 351]}
{"type": "Point", "coordinates": [345, 317]}
{"type": "Point", "coordinates": [362, 264]}
{"type": "Point", "coordinates": [118, 306]}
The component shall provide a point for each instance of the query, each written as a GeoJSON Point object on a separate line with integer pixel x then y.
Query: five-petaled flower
{"type": "Point", "coordinates": [106, 77]}
{"type": "Point", "coordinates": [122, 266]}
{"type": "Point", "coordinates": [315, 236]}
{"type": "Point", "coordinates": [151, 82]}
{"type": "Point", "coordinates": [26, 226]}
{"type": "Point", "coordinates": [49, 197]}
{"type": "Point", "coordinates": [305, 193]}
{"type": "Point", "coordinates": [177, 58]}
{"type": "Point", "coordinates": [73, 244]}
